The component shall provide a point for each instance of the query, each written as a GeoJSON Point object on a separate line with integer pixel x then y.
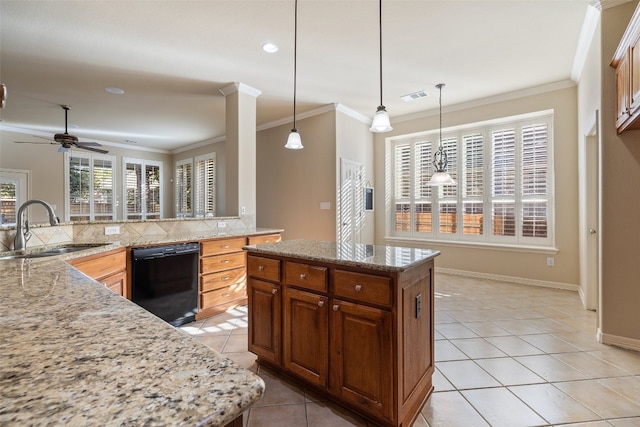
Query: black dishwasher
{"type": "Point", "coordinates": [165, 281]}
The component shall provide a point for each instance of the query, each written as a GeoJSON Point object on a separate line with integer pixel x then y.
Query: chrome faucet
{"type": "Point", "coordinates": [20, 242]}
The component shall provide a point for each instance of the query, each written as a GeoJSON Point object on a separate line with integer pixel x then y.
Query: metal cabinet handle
{"type": "Point", "coordinates": [226, 278]}
{"type": "Point", "coordinates": [336, 307]}
{"type": "Point", "coordinates": [261, 267]}
{"type": "Point", "coordinates": [358, 288]}
{"type": "Point", "coordinates": [303, 276]}
{"type": "Point", "coordinates": [320, 303]}
{"type": "Point", "coordinates": [224, 261]}
{"type": "Point", "coordinates": [274, 291]}
{"type": "Point", "coordinates": [225, 246]}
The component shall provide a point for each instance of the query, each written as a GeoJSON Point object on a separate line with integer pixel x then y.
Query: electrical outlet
{"type": "Point", "coordinates": [114, 229]}
{"type": "Point", "coordinates": [550, 261]}
{"type": "Point", "coordinates": [243, 210]}
{"type": "Point", "coordinates": [222, 224]}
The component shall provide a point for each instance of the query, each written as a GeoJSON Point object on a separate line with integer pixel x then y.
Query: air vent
{"type": "Point", "coordinates": [415, 95]}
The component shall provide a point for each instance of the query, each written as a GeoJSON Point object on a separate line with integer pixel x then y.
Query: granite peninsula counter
{"type": "Point", "coordinates": [74, 353]}
{"type": "Point", "coordinates": [353, 322]}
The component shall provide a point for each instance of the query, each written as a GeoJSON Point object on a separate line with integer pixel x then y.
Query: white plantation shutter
{"type": "Point", "coordinates": [205, 184]}
{"type": "Point", "coordinates": [402, 173]}
{"type": "Point", "coordinates": [503, 193]}
{"type": "Point", "coordinates": [152, 191]}
{"type": "Point", "coordinates": [423, 172]}
{"type": "Point", "coordinates": [142, 189]}
{"type": "Point", "coordinates": [448, 200]}
{"type": "Point", "coordinates": [503, 146]}
{"type": "Point", "coordinates": [183, 188]}
{"type": "Point", "coordinates": [90, 185]}
{"type": "Point", "coordinates": [534, 181]}
{"type": "Point", "coordinates": [472, 185]}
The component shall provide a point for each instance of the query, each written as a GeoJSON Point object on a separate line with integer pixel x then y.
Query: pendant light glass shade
{"type": "Point", "coordinates": [294, 142]}
{"type": "Point", "coordinates": [381, 121]}
{"type": "Point", "coordinates": [440, 161]}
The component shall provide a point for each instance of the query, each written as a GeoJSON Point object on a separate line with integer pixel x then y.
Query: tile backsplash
{"type": "Point", "coordinates": [129, 230]}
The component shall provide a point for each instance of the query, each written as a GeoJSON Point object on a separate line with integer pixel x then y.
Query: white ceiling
{"type": "Point", "coordinates": [172, 57]}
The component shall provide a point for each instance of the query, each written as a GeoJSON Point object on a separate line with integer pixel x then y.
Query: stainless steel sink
{"type": "Point", "coordinates": [58, 250]}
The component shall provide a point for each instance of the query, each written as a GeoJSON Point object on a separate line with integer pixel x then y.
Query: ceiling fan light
{"type": "Point", "coordinates": [294, 142]}
{"type": "Point", "coordinates": [441, 178]}
{"type": "Point", "coordinates": [381, 121]}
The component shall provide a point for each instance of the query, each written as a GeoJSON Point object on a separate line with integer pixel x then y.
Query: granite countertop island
{"type": "Point", "coordinates": [74, 353]}
{"type": "Point", "coordinates": [383, 258]}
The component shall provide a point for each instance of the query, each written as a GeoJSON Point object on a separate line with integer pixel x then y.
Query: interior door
{"type": "Point", "coordinates": [351, 201]}
{"type": "Point", "coordinates": [592, 236]}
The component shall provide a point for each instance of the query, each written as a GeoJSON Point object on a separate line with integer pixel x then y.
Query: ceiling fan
{"type": "Point", "coordinates": [68, 141]}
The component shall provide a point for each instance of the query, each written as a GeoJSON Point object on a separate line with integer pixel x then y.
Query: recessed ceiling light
{"type": "Point", "coordinates": [270, 47]}
{"type": "Point", "coordinates": [415, 95]}
{"type": "Point", "coordinates": [115, 90]}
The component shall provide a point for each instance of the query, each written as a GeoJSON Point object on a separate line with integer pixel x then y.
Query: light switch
{"type": "Point", "coordinates": [325, 205]}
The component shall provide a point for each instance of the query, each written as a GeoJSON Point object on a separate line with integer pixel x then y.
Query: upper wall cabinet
{"type": "Point", "coordinates": [626, 61]}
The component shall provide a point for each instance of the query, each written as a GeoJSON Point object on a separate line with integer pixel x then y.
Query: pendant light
{"type": "Point", "coordinates": [381, 122]}
{"type": "Point", "coordinates": [294, 142]}
{"type": "Point", "coordinates": [440, 161]}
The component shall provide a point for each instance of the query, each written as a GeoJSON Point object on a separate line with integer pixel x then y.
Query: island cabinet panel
{"type": "Point", "coordinates": [108, 268]}
{"type": "Point", "coordinates": [306, 335]}
{"type": "Point", "coordinates": [362, 357]}
{"type": "Point", "coordinates": [265, 314]}
{"type": "Point", "coordinates": [361, 336]}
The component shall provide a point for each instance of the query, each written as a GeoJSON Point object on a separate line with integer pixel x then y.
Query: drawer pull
{"type": "Point", "coordinates": [274, 291]}
{"type": "Point", "coordinates": [303, 276]}
{"type": "Point", "coordinates": [224, 261]}
{"type": "Point", "coordinates": [358, 288]}
{"type": "Point", "coordinates": [225, 278]}
{"type": "Point", "coordinates": [261, 267]}
{"type": "Point", "coordinates": [320, 303]}
{"type": "Point", "coordinates": [336, 307]}
{"type": "Point", "coordinates": [224, 246]}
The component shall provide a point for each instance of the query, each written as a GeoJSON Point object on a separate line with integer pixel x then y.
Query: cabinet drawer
{"type": "Point", "coordinates": [222, 262]}
{"type": "Point", "coordinates": [102, 265]}
{"type": "Point", "coordinates": [222, 246]}
{"type": "Point", "coordinates": [306, 276]}
{"type": "Point", "coordinates": [221, 279]}
{"type": "Point", "coordinates": [363, 287]}
{"type": "Point", "coordinates": [269, 238]}
{"type": "Point", "coordinates": [264, 268]}
{"type": "Point", "coordinates": [222, 295]}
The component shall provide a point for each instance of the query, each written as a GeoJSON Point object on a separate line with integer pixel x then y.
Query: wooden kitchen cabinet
{"type": "Point", "coordinates": [265, 308]}
{"type": "Point", "coordinates": [223, 273]}
{"type": "Point", "coordinates": [362, 337]}
{"type": "Point", "coordinates": [108, 268]}
{"type": "Point", "coordinates": [626, 61]}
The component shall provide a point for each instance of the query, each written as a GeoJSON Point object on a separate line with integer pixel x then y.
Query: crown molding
{"type": "Point", "coordinates": [240, 87]}
{"type": "Point", "coordinates": [536, 90]}
{"type": "Point", "coordinates": [200, 144]}
{"type": "Point", "coordinates": [607, 4]}
{"type": "Point", "coordinates": [587, 34]}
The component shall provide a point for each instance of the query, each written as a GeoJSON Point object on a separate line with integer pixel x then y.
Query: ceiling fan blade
{"type": "Point", "coordinates": [35, 142]}
{"type": "Point", "coordinates": [90, 144]}
{"type": "Point", "coordinates": [97, 150]}
{"type": "Point", "coordinates": [41, 137]}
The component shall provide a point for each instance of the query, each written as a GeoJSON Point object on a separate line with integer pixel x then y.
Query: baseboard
{"type": "Point", "coordinates": [510, 279]}
{"type": "Point", "coordinates": [629, 343]}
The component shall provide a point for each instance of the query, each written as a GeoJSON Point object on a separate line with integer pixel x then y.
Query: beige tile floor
{"type": "Point", "coordinates": [506, 355]}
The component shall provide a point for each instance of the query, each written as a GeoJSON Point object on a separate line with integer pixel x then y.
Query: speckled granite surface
{"type": "Point", "coordinates": [387, 258]}
{"type": "Point", "coordinates": [74, 353]}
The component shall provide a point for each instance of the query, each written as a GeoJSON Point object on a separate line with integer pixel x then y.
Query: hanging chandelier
{"type": "Point", "coordinates": [381, 121]}
{"type": "Point", "coordinates": [440, 161]}
{"type": "Point", "coordinates": [294, 142]}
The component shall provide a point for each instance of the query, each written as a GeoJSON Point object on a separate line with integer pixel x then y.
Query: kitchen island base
{"type": "Point", "coordinates": [356, 328]}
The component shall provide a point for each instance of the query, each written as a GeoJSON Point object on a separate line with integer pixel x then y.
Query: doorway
{"type": "Point", "coordinates": [351, 201]}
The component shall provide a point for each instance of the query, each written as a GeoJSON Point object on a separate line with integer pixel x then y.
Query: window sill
{"type": "Point", "coordinates": [472, 245]}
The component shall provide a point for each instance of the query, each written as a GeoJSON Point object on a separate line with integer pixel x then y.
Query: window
{"type": "Point", "coordinates": [142, 189]}
{"type": "Point", "coordinates": [503, 192]}
{"type": "Point", "coordinates": [13, 193]}
{"type": "Point", "coordinates": [89, 187]}
{"type": "Point", "coordinates": [196, 186]}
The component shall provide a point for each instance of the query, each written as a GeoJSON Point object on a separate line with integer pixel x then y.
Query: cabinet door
{"type": "Point", "coordinates": [623, 89]}
{"type": "Point", "coordinates": [362, 357]}
{"type": "Point", "coordinates": [305, 338]}
{"type": "Point", "coordinates": [264, 319]}
{"type": "Point", "coordinates": [116, 282]}
{"type": "Point", "coordinates": [634, 72]}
